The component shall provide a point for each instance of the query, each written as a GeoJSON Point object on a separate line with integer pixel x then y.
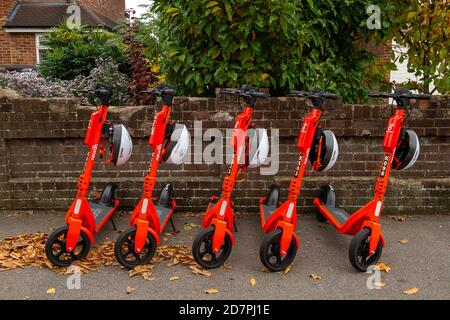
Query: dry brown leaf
{"type": "Point", "coordinates": [27, 250]}
{"type": "Point", "coordinates": [379, 284]}
{"type": "Point", "coordinates": [315, 276]}
{"type": "Point", "coordinates": [383, 267]}
{"type": "Point", "coordinates": [196, 270]}
{"type": "Point", "coordinates": [288, 269]}
{"type": "Point", "coordinates": [51, 291]}
{"type": "Point", "coordinates": [148, 276]}
{"type": "Point", "coordinates": [398, 218]}
{"type": "Point", "coordinates": [403, 241]}
{"type": "Point", "coordinates": [189, 226]}
{"type": "Point", "coordinates": [211, 291]}
{"type": "Point", "coordinates": [253, 281]}
{"type": "Point", "coordinates": [174, 278]}
{"type": "Point", "coordinates": [130, 290]}
{"type": "Point", "coordinates": [411, 291]}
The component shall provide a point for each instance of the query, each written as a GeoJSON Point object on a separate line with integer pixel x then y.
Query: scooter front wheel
{"type": "Point", "coordinates": [359, 254]}
{"type": "Point", "coordinates": [270, 253]}
{"type": "Point", "coordinates": [55, 248]}
{"type": "Point", "coordinates": [125, 253]}
{"type": "Point", "coordinates": [203, 252]}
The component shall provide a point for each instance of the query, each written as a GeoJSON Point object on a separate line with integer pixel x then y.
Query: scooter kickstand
{"type": "Point", "coordinates": [173, 226]}
{"type": "Point", "coordinates": [113, 224]}
{"type": "Point", "coordinates": [234, 224]}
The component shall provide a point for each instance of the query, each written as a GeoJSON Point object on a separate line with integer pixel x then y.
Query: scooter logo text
{"type": "Point", "coordinates": [385, 164]}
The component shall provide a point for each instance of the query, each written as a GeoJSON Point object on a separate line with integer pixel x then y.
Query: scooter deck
{"type": "Point", "coordinates": [338, 213]}
{"type": "Point", "coordinates": [267, 212]}
{"type": "Point", "coordinates": [101, 211]}
{"type": "Point", "coordinates": [163, 213]}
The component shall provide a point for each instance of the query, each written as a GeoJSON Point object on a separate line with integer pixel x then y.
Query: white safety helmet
{"type": "Point", "coordinates": [122, 145]}
{"type": "Point", "coordinates": [408, 150]}
{"type": "Point", "coordinates": [257, 147]}
{"type": "Point", "coordinates": [329, 152]}
{"type": "Point", "coordinates": [178, 145]}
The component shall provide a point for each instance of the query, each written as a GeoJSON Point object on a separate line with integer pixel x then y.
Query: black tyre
{"type": "Point", "coordinates": [55, 248]}
{"type": "Point", "coordinates": [319, 216]}
{"type": "Point", "coordinates": [125, 253]}
{"type": "Point", "coordinates": [358, 252]}
{"type": "Point", "coordinates": [203, 253]}
{"type": "Point", "coordinates": [270, 254]}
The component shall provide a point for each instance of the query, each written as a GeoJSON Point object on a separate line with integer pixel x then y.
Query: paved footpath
{"type": "Point", "coordinates": [423, 262]}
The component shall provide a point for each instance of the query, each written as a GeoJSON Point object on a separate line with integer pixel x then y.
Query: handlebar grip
{"type": "Point", "coordinates": [258, 95]}
{"type": "Point", "coordinates": [379, 95]}
{"type": "Point", "coordinates": [331, 96]}
{"type": "Point", "coordinates": [420, 96]}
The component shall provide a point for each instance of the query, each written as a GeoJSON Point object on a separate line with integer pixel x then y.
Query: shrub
{"type": "Point", "coordinates": [278, 44]}
{"type": "Point", "coordinates": [73, 52]}
{"type": "Point", "coordinates": [30, 84]}
{"type": "Point", "coordinates": [106, 72]}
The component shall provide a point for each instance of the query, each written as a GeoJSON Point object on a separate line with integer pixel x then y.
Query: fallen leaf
{"type": "Point", "coordinates": [211, 291]}
{"type": "Point", "coordinates": [315, 276]}
{"type": "Point", "coordinates": [196, 270]}
{"type": "Point", "coordinates": [403, 241]}
{"type": "Point", "coordinates": [253, 281]}
{"type": "Point", "coordinates": [148, 276]}
{"type": "Point", "coordinates": [189, 226]}
{"type": "Point", "coordinates": [130, 290]}
{"type": "Point", "coordinates": [51, 291]}
{"type": "Point", "coordinates": [398, 218]}
{"type": "Point", "coordinates": [174, 278]}
{"type": "Point", "coordinates": [288, 269]}
{"type": "Point", "coordinates": [379, 284]}
{"type": "Point", "coordinates": [411, 291]}
{"type": "Point", "coordinates": [383, 267]}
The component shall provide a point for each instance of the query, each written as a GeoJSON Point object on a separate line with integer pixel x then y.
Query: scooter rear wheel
{"type": "Point", "coordinates": [270, 254]}
{"type": "Point", "coordinates": [125, 253]}
{"type": "Point", "coordinates": [358, 252]}
{"type": "Point", "coordinates": [203, 253]}
{"type": "Point", "coordinates": [55, 248]}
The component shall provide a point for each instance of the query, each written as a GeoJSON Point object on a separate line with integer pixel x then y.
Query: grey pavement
{"type": "Point", "coordinates": [424, 262]}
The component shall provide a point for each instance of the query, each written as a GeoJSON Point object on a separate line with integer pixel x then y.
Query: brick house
{"type": "Point", "coordinates": [23, 22]}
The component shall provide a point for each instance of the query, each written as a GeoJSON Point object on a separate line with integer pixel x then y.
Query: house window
{"type": "Point", "coordinates": [41, 50]}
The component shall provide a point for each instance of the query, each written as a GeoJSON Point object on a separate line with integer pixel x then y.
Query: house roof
{"type": "Point", "coordinates": [51, 14]}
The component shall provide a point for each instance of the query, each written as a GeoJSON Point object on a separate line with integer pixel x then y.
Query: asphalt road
{"type": "Point", "coordinates": [423, 262]}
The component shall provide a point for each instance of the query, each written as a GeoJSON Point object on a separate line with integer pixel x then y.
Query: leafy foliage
{"type": "Point", "coordinates": [143, 75]}
{"type": "Point", "coordinates": [423, 28]}
{"type": "Point", "coordinates": [73, 52]}
{"type": "Point", "coordinates": [30, 84]}
{"type": "Point", "coordinates": [106, 72]}
{"type": "Point", "coordinates": [278, 44]}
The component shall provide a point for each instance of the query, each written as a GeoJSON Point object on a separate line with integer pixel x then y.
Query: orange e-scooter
{"type": "Point", "coordinates": [213, 245]}
{"type": "Point", "coordinates": [401, 150]}
{"type": "Point", "coordinates": [279, 220]}
{"type": "Point", "coordinates": [86, 218]}
{"type": "Point", "coordinates": [170, 143]}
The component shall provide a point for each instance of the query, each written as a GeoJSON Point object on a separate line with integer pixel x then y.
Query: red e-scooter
{"type": "Point", "coordinates": [213, 245]}
{"type": "Point", "coordinates": [170, 142]}
{"type": "Point", "coordinates": [401, 150]}
{"type": "Point", "coordinates": [85, 218]}
{"type": "Point", "coordinates": [279, 220]}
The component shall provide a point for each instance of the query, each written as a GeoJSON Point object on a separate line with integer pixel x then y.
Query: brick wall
{"type": "Point", "coordinates": [5, 53]}
{"type": "Point", "coordinates": [42, 153]}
